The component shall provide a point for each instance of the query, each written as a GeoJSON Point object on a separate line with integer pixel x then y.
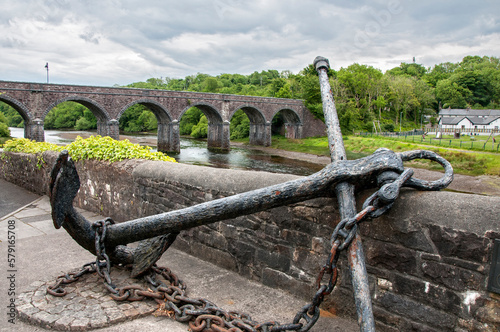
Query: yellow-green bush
{"type": "Point", "coordinates": [94, 147]}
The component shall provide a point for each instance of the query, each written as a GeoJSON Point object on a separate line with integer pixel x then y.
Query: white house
{"type": "Point", "coordinates": [469, 120]}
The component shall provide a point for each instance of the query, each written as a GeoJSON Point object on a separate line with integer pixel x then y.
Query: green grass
{"type": "Point", "coordinates": [473, 143]}
{"type": "Point", "coordinates": [469, 163]}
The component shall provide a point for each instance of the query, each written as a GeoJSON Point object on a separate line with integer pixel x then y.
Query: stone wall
{"type": "Point", "coordinates": [428, 259]}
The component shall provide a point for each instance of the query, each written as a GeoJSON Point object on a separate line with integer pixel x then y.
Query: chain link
{"type": "Point", "coordinates": [64, 279]}
{"type": "Point", "coordinates": [203, 315]}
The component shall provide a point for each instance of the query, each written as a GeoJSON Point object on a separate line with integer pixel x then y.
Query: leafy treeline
{"type": "Point", "coordinates": [363, 94]}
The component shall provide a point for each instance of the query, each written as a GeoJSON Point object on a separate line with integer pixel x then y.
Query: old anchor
{"type": "Point", "coordinates": [384, 170]}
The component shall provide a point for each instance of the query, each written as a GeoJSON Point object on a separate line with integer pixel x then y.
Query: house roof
{"type": "Point", "coordinates": [482, 121]}
{"type": "Point", "coordinates": [475, 120]}
{"type": "Point", "coordinates": [451, 120]}
{"type": "Point", "coordinates": [468, 112]}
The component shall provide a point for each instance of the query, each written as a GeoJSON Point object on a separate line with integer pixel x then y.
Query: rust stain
{"type": "Point", "coordinates": [353, 252]}
{"type": "Point", "coordinates": [277, 192]}
{"type": "Point", "coordinates": [328, 313]}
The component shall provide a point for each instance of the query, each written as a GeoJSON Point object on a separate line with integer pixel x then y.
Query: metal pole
{"type": "Point", "coordinates": [347, 203]}
{"type": "Point", "coordinates": [47, 67]}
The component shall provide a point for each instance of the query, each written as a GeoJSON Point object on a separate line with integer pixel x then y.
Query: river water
{"type": "Point", "coordinates": [195, 152]}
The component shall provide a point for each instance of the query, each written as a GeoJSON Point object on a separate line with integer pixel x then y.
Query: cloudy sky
{"type": "Point", "coordinates": [107, 42]}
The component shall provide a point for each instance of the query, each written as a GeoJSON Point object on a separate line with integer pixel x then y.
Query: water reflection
{"type": "Point", "coordinates": [195, 152]}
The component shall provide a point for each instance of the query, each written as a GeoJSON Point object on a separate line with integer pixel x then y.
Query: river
{"type": "Point", "coordinates": [195, 152]}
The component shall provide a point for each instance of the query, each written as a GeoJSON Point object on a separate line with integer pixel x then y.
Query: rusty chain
{"type": "Point", "coordinates": [64, 279]}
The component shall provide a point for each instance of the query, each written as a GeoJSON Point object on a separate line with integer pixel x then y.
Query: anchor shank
{"type": "Point", "coordinates": [347, 203]}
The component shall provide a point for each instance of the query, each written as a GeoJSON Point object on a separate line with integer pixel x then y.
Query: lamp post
{"type": "Point", "coordinates": [47, 67]}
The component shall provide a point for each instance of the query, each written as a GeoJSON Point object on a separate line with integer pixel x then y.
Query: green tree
{"type": "Point", "coordinates": [284, 92]}
{"type": "Point", "coordinates": [64, 115]}
{"type": "Point", "coordinates": [210, 84]}
{"type": "Point", "coordinates": [361, 83]}
{"type": "Point", "coordinates": [311, 94]}
{"type": "Point", "coordinates": [200, 130]}
{"type": "Point", "coordinates": [451, 94]}
{"type": "Point", "coordinates": [408, 69]}
{"type": "Point", "coordinates": [239, 125]}
{"type": "Point", "coordinates": [83, 124]}
{"type": "Point", "coordinates": [4, 128]}
{"type": "Point", "coordinates": [440, 72]}
{"type": "Point", "coordinates": [14, 119]}
{"type": "Point", "coordinates": [138, 118]}
{"type": "Point", "coordinates": [380, 104]}
{"type": "Point", "coordinates": [190, 119]}
{"type": "Point", "coordinates": [402, 96]}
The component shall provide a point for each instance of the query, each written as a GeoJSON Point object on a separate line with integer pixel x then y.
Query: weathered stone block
{"type": "Point", "coordinates": [413, 310]}
{"type": "Point", "coordinates": [390, 256]}
{"type": "Point", "coordinates": [299, 238]}
{"type": "Point", "coordinates": [243, 252]}
{"type": "Point", "coordinates": [399, 231]}
{"type": "Point", "coordinates": [453, 277]}
{"type": "Point", "coordinates": [308, 260]}
{"type": "Point", "coordinates": [426, 292]}
{"type": "Point", "coordinates": [459, 244]}
{"type": "Point", "coordinates": [273, 260]}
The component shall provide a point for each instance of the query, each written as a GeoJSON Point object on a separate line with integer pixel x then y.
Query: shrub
{"type": "Point", "coordinates": [94, 147]}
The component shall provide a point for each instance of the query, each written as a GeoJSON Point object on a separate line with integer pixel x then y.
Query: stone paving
{"type": "Point", "coordinates": [87, 304]}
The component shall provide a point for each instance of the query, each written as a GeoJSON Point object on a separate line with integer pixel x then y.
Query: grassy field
{"type": "Point", "coordinates": [474, 143]}
{"type": "Point", "coordinates": [464, 162]}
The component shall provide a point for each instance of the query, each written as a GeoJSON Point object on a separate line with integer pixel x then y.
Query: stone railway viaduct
{"type": "Point", "coordinates": [35, 100]}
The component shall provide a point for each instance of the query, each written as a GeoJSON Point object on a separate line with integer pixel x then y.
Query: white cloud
{"type": "Point", "coordinates": [106, 42]}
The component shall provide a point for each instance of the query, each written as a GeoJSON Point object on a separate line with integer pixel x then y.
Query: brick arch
{"type": "Point", "coordinates": [290, 116]}
{"type": "Point", "coordinates": [161, 113]}
{"type": "Point", "coordinates": [260, 129]}
{"type": "Point", "coordinates": [18, 106]}
{"type": "Point", "coordinates": [255, 115]}
{"type": "Point", "coordinates": [293, 123]}
{"type": "Point", "coordinates": [211, 112]}
{"type": "Point", "coordinates": [218, 129]}
{"type": "Point", "coordinates": [98, 110]}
